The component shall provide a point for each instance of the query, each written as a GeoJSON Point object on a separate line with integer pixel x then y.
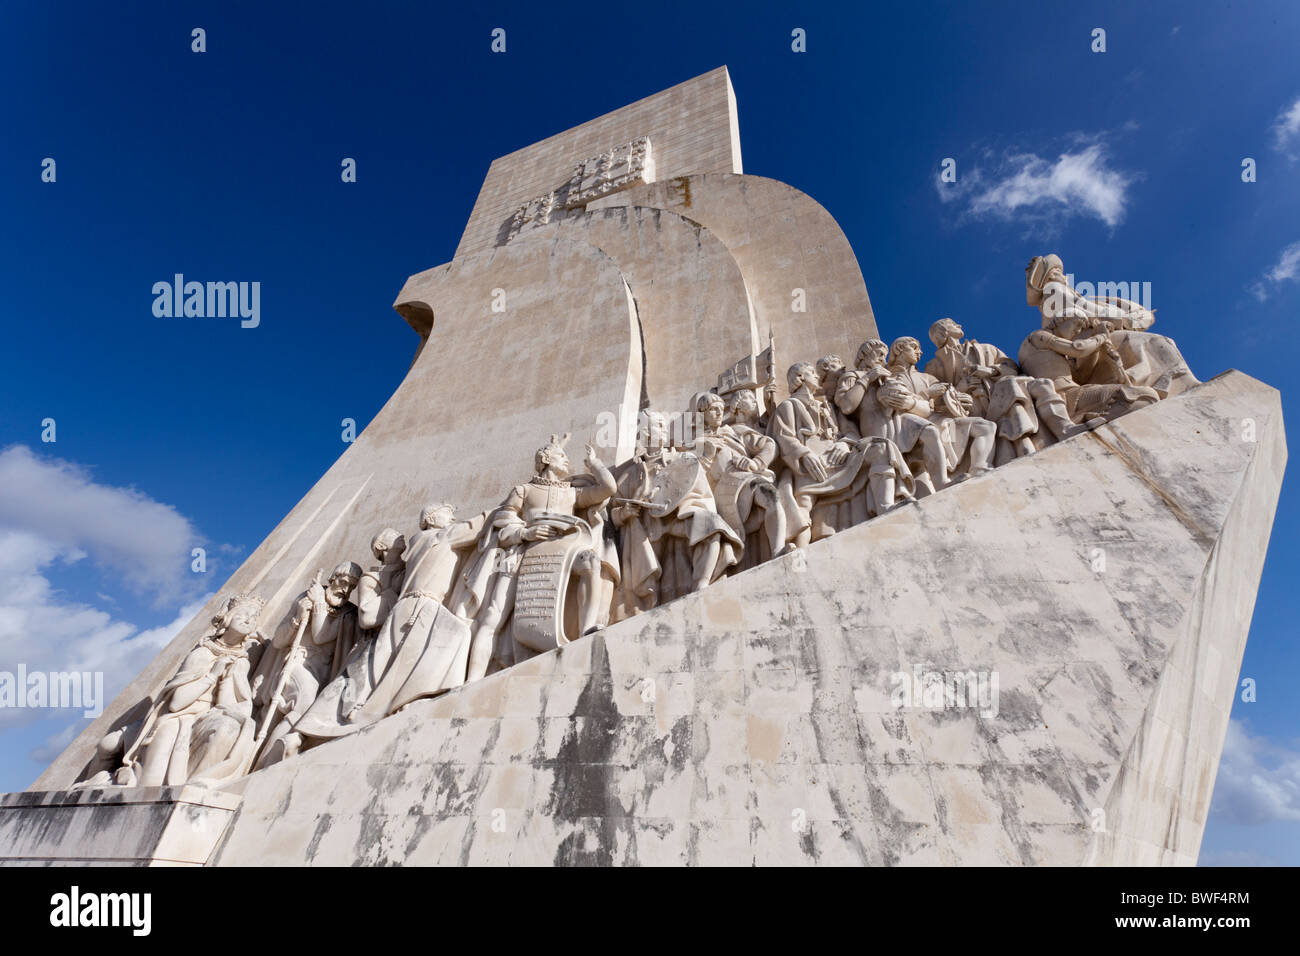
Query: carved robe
{"type": "Point", "coordinates": [729, 456]}
{"type": "Point", "coordinates": [202, 728]}
{"type": "Point", "coordinates": [1029, 412]}
{"type": "Point", "coordinates": [421, 650]}
{"type": "Point", "coordinates": [802, 424]}
{"type": "Point", "coordinates": [663, 542]}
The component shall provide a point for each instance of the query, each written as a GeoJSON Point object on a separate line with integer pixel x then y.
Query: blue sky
{"type": "Point", "coordinates": [177, 433]}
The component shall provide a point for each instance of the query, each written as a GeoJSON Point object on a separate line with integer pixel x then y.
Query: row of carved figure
{"type": "Point", "coordinates": [565, 554]}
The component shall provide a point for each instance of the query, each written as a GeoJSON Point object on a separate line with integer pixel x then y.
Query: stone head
{"type": "Point", "coordinates": [829, 368]}
{"type": "Point", "coordinates": [238, 619]}
{"type": "Point", "coordinates": [743, 406]}
{"type": "Point", "coordinates": [438, 515]}
{"type": "Point", "coordinates": [872, 352]}
{"type": "Point", "coordinates": [905, 351]}
{"type": "Point", "coordinates": [342, 580]}
{"type": "Point", "coordinates": [712, 409]}
{"type": "Point", "coordinates": [384, 544]}
{"type": "Point", "coordinates": [945, 331]}
{"type": "Point", "coordinates": [803, 374]}
{"type": "Point", "coordinates": [552, 457]}
{"type": "Point", "coordinates": [653, 427]}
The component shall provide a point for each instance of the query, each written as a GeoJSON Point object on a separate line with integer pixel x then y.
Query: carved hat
{"type": "Point", "coordinates": [1041, 269]}
{"type": "Point", "coordinates": [426, 516]}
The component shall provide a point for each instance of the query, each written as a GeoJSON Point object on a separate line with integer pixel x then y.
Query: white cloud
{"type": "Point", "coordinates": [145, 542]}
{"type": "Point", "coordinates": [1286, 129]}
{"type": "Point", "coordinates": [122, 661]}
{"type": "Point", "coordinates": [53, 514]}
{"type": "Point", "coordinates": [1286, 270]}
{"type": "Point", "coordinates": [43, 631]}
{"type": "Point", "coordinates": [1258, 782]}
{"type": "Point", "coordinates": [1028, 187]}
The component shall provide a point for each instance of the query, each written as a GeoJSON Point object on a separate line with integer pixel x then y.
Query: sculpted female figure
{"type": "Point", "coordinates": [200, 729]}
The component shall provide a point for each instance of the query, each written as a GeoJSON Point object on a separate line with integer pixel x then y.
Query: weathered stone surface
{"type": "Point", "coordinates": [1096, 593]}
{"type": "Point", "coordinates": [691, 299]}
{"type": "Point", "coordinates": [752, 722]}
{"type": "Point", "coordinates": [143, 826]}
{"type": "Point", "coordinates": [692, 125]}
{"type": "Point", "coordinates": [782, 240]}
{"type": "Point", "coordinates": [562, 297]}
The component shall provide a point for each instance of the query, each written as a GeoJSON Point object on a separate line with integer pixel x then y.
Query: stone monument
{"type": "Point", "coordinates": [970, 609]}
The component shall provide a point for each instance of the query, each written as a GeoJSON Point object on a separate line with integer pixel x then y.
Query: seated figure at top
{"type": "Point", "coordinates": [1097, 353]}
{"type": "Point", "coordinates": [836, 479]}
{"type": "Point", "coordinates": [674, 540]}
{"type": "Point", "coordinates": [1029, 412]}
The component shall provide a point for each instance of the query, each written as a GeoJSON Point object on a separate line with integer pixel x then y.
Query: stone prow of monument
{"type": "Point", "coordinates": [1082, 611]}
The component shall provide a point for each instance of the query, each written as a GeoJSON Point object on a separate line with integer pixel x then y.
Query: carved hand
{"type": "Point", "coordinates": [897, 398]}
{"type": "Point", "coordinates": [315, 593]}
{"type": "Point", "coordinates": [814, 466]}
{"type": "Point", "coordinates": [1090, 345]}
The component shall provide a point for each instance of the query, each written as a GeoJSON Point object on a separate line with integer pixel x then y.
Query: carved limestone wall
{"type": "Point", "coordinates": [753, 722]}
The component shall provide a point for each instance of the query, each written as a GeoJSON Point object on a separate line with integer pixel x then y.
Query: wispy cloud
{"type": "Point", "coordinates": [1029, 188]}
{"type": "Point", "coordinates": [41, 629]}
{"type": "Point", "coordinates": [53, 515]}
{"type": "Point", "coordinates": [116, 649]}
{"type": "Point", "coordinates": [145, 542]}
{"type": "Point", "coordinates": [1258, 782]}
{"type": "Point", "coordinates": [1287, 269]}
{"type": "Point", "coordinates": [1286, 130]}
